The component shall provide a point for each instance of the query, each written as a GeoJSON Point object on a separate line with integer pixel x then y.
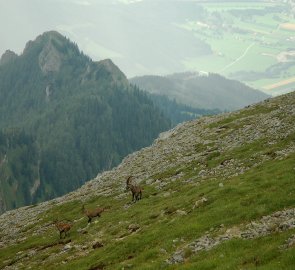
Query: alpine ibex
{"type": "Point", "coordinates": [136, 190]}
{"type": "Point", "coordinates": [92, 213]}
{"type": "Point", "coordinates": [63, 228]}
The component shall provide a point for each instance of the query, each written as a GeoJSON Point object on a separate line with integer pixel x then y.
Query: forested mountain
{"type": "Point", "coordinates": [70, 118]}
{"type": "Point", "coordinates": [205, 91]}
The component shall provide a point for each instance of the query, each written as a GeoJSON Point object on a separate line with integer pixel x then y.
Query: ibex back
{"type": "Point", "coordinates": [92, 213]}
{"type": "Point", "coordinates": [63, 228]}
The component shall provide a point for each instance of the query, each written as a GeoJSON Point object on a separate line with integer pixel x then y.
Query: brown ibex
{"type": "Point", "coordinates": [63, 228]}
{"type": "Point", "coordinates": [136, 190]}
{"type": "Point", "coordinates": [92, 213]}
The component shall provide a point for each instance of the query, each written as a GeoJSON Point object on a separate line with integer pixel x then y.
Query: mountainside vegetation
{"type": "Point", "coordinates": [19, 167]}
{"type": "Point", "coordinates": [179, 112]}
{"type": "Point", "coordinates": [73, 118]}
{"type": "Point", "coordinates": [205, 91]}
{"type": "Point", "coordinates": [218, 193]}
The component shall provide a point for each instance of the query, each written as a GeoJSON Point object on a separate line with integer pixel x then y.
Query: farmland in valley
{"type": "Point", "coordinates": [250, 41]}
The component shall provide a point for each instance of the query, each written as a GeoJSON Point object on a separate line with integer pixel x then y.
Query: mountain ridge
{"type": "Point", "coordinates": [201, 90]}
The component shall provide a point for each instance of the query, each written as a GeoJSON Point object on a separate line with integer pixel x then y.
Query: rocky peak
{"type": "Point", "coordinates": [111, 68]}
{"type": "Point", "coordinates": [52, 49]}
{"type": "Point", "coordinates": [107, 69]}
{"type": "Point", "coordinates": [109, 65]}
{"type": "Point", "coordinates": [7, 57]}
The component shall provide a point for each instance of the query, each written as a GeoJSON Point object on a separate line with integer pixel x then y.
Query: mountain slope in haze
{"type": "Point", "coordinates": [209, 91]}
{"type": "Point", "coordinates": [218, 194]}
{"type": "Point", "coordinates": [83, 115]}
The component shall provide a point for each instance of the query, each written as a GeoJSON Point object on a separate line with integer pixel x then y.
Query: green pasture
{"type": "Point", "coordinates": [227, 50]}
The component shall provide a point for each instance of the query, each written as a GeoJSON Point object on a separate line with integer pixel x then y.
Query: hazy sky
{"type": "Point", "coordinates": [138, 36]}
{"type": "Point", "coordinates": [23, 20]}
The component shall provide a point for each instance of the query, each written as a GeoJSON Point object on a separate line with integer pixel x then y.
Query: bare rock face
{"type": "Point", "coordinates": [49, 59]}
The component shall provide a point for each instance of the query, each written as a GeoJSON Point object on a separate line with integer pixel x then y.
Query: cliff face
{"type": "Point", "coordinates": [222, 185]}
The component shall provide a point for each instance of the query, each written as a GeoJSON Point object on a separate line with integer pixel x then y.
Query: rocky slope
{"type": "Point", "coordinates": [214, 189]}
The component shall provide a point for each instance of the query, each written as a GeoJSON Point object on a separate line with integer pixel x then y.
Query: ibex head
{"type": "Point", "coordinates": [128, 183]}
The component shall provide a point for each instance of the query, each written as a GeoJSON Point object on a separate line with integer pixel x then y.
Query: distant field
{"type": "Point", "coordinates": [288, 26]}
{"type": "Point", "coordinates": [247, 40]}
{"type": "Point", "coordinates": [227, 6]}
{"type": "Point", "coordinates": [279, 84]}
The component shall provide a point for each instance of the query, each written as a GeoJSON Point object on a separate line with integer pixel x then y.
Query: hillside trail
{"type": "Point", "coordinates": [247, 50]}
{"type": "Point", "coordinates": [239, 58]}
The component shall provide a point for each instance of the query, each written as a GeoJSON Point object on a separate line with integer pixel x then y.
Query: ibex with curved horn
{"type": "Point", "coordinates": [136, 190]}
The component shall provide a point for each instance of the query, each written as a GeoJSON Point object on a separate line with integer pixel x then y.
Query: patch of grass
{"type": "Point", "coordinates": [167, 173]}
{"type": "Point", "coordinates": [240, 254]}
{"type": "Point", "coordinates": [13, 253]}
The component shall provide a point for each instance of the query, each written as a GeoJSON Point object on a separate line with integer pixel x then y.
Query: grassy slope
{"type": "Point", "coordinates": [266, 186]}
